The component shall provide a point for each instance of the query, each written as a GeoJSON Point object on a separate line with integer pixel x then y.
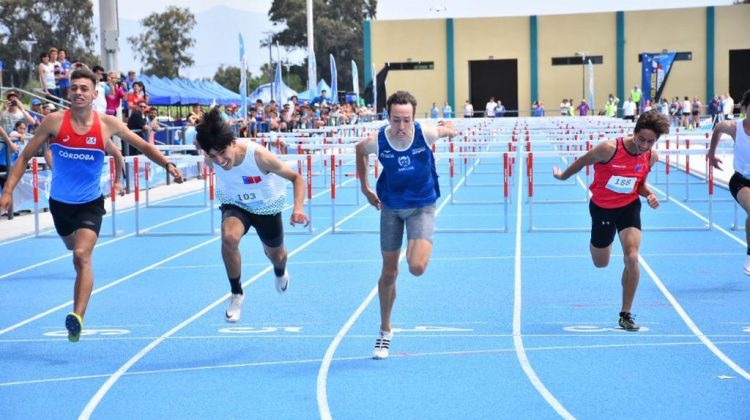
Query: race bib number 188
{"type": "Point", "coordinates": [621, 184]}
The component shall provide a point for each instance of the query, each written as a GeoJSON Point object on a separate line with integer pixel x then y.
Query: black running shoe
{"type": "Point", "coordinates": [627, 322]}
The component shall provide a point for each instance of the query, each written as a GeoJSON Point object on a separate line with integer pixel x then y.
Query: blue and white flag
{"type": "Point", "coordinates": [312, 74]}
{"type": "Point", "coordinates": [591, 85]}
{"type": "Point", "coordinates": [655, 68]}
{"type": "Point", "coordinates": [243, 79]}
{"type": "Point", "coordinates": [355, 80]}
{"type": "Point", "coordinates": [278, 87]}
{"type": "Point", "coordinates": [334, 82]}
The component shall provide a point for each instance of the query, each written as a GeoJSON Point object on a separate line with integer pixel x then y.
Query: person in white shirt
{"type": "Point", "coordinates": [468, 109]}
{"type": "Point", "coordinates": [628, 110]}
{"type": "Point", "coordinates": [728, 107]}
{"type": "Point", "coordinates": [489, 109]}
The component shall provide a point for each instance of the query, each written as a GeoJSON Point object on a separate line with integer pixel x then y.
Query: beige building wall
{"type": "Point", "coordinates": [491, 38]}
{"type": "Point", "coordinates": [413, 40]}
{"type": "Point", "coordinates": [672, 30]}
{"type": "Point", "coordinates": [732, 33]}
{"type": "Point", "coordinates": [564, 36]}
{"type": "Point", "coordinates": [679, 30]}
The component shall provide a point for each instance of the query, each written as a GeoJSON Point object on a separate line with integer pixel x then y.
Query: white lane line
{"type": "Point", "coordinates": [102, 391]}
{"type": "Point", "coordinates": [322, 382]}
{"type": "Point", "coordinates": [355, 358]}
{"type": "Point", "coordinates": [517, 299]}
{"type": "Point", "coordinates": [100, 244]}
{"type": "Point", "coordinates": [103, 288]}
{"type": "Point", "coordinates": [689, 322]}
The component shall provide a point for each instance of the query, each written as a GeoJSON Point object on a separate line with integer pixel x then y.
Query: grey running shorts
{"type": "Point", "coordinates": [420, 224]}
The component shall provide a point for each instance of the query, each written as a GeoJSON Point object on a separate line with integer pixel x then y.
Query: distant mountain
{"type": "Point", "coordinates": [216, 42]}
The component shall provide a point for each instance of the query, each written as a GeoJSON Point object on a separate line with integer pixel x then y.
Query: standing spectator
{"type": "Point", "coordinates": [635, 95]}
{"type": "Point", "coordinates": [447, 110]}
{"type": "Point", "coordinates": [114, 95]}
{"type": "Point", "coordinates": [686, 112]}
{"type": "Point", "coordinates": [565, 108]}
{"type": "Point", "coordinates": [137, 95]}
{"type": "Point", "coordinates": [434, 111]}
{"type": "Point", "coordinates": [489, 108]}
{"type": "Point", "coordinates": [628, 110]}
{"type": "Point", "coordinates": [65, 69]}
{"type": "Point", "coordinates": [195, 116]}
{"type": "Point", "coordinates": [696, 111]}
{"type": "Point", "coordinates": [47, 79]}
{"type": "Point", "coordinates": [499, 110]}
{"type": "Point", "coordinates": [100, 101]}
{"type": "Point", "coordinates": [714, 108]}
{"type": "Point", "coordinates": [468, 109]}
{"type": "Point", "coordinates": [537, 109]}
{"type": "Point", "coordinates": [728, 107]}
{"type": "Point", "coordinates": [583, 108]}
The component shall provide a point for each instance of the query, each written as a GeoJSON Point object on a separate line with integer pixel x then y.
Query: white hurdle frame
{"type": "Point", "coordinates": [112, 194]}
{"type": "Point", "coordinates": [530, 201]}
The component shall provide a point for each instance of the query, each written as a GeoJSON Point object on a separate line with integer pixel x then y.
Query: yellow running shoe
{"type": "Point", "coordinates": [74, 324]}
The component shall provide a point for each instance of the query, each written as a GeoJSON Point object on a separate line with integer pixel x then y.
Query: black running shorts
{"type": "Point", "coordinates": [70, 217]}
{"type": "Point", "coordinates": [605, 223]}
{"type": "Point", "coordinates": [269, 228]}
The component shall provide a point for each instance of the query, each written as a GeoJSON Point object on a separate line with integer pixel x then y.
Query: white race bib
{"type": "Point", "coordinates": [622, 184]}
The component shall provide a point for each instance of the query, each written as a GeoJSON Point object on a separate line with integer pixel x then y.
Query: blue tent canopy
{"type": "Point", "coordinates": [263, 92]}
{"type": "Point", "coordinates": [309, 96]}
{"type": "Point", "coordinates": [164, 91]}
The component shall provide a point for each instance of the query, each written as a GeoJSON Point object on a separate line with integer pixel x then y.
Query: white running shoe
{"type": "Point", "coordinates": [747, 265]}
{"type": "Point", "coordinates": [382, 345]}
{"type": "Point", "coordinates": [234, 310]}
{"type": "Point", "coordinates": [282, 283]}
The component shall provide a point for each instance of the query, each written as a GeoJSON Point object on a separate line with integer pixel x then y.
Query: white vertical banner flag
{"type": "Point", "coordinates": [355, 80]}
{"type": "Point", "coordinates": [334, 81]}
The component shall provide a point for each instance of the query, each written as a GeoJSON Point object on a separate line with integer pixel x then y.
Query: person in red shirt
{"type": "Point", "coordinates": [620, 170]}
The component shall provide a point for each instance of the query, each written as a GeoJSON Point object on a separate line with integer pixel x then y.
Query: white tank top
{"type": "Point", "coordinates": [742, 150]}
{"type": "Point", "coordinates": [49, 75]}
{"type": "Point", "coordinates": [247, 187]}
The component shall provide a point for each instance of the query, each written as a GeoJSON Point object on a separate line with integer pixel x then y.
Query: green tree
{"type": "Point", "coordinates": [229, 77]}
{"type": "Point", "coordinates": [338, 31]}
{"type": "Point", "coordinates": [66, 24]}
{"type": "Point", "coordinates": [163, 46]}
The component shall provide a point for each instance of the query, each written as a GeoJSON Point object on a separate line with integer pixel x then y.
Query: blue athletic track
{"type": "Point", "coordinates": [514, 324]}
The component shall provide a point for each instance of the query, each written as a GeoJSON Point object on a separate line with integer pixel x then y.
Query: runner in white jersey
{"type": "Point", "coordinates": [250, 187]}
{"type": "Point", "coordinates": [739, 131]}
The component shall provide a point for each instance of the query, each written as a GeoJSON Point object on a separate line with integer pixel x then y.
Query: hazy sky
{"type": "Point", "coordinates": [414, 9]}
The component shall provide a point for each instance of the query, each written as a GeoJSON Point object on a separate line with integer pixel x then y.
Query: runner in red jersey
{"type": "Point", "coordinates": [620, 170]}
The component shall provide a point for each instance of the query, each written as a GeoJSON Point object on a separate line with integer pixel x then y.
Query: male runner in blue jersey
{"type": "Point", "coordinates": [407, 190]}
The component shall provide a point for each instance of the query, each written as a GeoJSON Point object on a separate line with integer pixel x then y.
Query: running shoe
{"type": "Point", "coordinates": [747, 265]}
{"type": "Point", "coordinates": [627, 322]}
{"type": "Point", "coordinates": [282, 282]}
{"type": "Point", "coordinates": [74, 325]}
{"type": "Point", "coordinates": [382, 345]}
{"type": "Point", "coordinates": [234, 310]}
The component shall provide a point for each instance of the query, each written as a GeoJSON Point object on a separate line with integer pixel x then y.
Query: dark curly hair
{"type": "Point", "coordinates": [653, 120]}
{"type": "Point", "coordinates": [213, 132]}
{"type": "Point", "coordinates": [401, 98]}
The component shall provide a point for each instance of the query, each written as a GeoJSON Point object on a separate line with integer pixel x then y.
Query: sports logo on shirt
{"type": "Point", "coordinates": [251, 180]}
{"type": "Point", "coordinates": [90, 140]}
{"type": "Point", "coordinates": [404, 161]}
{"type": "Point", "coordinates": [65, 139]}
